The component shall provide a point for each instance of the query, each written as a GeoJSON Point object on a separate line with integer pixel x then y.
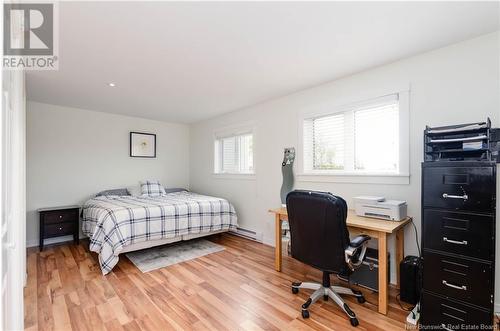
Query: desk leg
{"type": "Point", "coordinates": [383, 293]}
{"type": "Point", "coordinates": [400, 251]}
{"type": "Point", "coordinates": [277, 250]}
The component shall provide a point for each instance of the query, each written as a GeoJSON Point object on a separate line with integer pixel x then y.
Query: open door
{"type": "Point", "coordinates": [12, 201]}
{"type": "Point", "coordinates": [6, 212]}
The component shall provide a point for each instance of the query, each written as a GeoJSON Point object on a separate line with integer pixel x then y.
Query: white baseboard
{"type": "Point", "coordinates": [50, 241]}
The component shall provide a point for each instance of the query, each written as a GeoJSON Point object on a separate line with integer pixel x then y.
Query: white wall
{"type": "Point", "coordinates": [73, 154]}
{"type": "Point", "coordinates": [455, 84]}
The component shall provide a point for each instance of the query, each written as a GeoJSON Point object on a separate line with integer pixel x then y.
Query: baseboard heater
{"type": "Point", "coordinates": [249, 234]}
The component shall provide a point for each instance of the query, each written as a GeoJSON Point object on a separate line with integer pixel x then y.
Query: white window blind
{"type": "Point", "coordinates": [234, 154]}
{"type": "Point", "coordinates": [364, 138]}
{"type": "Point", "coordinates": [328, 142]}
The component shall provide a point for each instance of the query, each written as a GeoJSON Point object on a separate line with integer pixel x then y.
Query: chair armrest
{"type": "Point", "coordinates": [359, 240]}
{"type": "Point", "coordinates": [355, 252]}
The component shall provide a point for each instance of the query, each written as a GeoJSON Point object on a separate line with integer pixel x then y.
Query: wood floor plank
{"type": "Point", "coordinates": [30, 293]}
{"type": "Point", "coordinates": [234, 289]}
{"type": "Point", "coordinates": [93, 319]}
{"type": "Point", "coordinates": [132, 326]}
{"type": "Point", "coordinates": [61, 314]}
{"type": "Point", "coordinates": [113, 325]}
{"type": "Point", "coordinates": [77, 319]}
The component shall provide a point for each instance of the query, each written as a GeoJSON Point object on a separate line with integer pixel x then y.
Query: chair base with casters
{"type": "Point", "coordinates": [320, 238]}
{"type": "Point", "coordinates": [326, 291]}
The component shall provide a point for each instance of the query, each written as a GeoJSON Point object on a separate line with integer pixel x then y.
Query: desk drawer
{"type": "Point", "coordinates": [459, 188]}
{"type": "Point", "coordinates": [458, 278]}
{"type": "Point", "coordinates": [460, 233]}
{"type": "Point", "coordinates": [61, 229]}
{"type": "Point", "coordinates": [60, 216]}
{"type": "Point", "coordinates": [443, 314]}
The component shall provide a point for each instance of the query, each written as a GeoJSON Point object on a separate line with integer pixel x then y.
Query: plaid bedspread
{"type": "Point", "coordinates": [114, 222]}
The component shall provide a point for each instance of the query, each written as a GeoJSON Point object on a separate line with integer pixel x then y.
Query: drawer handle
{"type": "Point", "coordinates": [456, 242]}
{"type": "Point", "coordinates": [450, 196]}
{"type": "Point", "coordinates": [60, 228]}
{"type": "Point", "coordinates": [456, 287]}
{"type": "Point", "coordinates": [60, 216]}
{"type": "Point", "coordinates": [445, 328]}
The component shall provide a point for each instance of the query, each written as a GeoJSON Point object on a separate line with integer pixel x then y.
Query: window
{"type": "Point", "coordinates": [361, 139]}
{"type": "Point", "coordinates": [234, 154]}
{"type": "Point", "coordinates": [328, 142]}
{"type": "Point", "coordinates": [376, 138]}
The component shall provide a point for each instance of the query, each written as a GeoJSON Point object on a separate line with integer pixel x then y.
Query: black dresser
{"type": "Point", "coordinates": [458, 241]}
{"type": "Point", "coordinates": [59, 221]}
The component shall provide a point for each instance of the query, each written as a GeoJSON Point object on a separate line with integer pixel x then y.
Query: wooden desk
{"type": "Point", "coordinates": [375, 228]}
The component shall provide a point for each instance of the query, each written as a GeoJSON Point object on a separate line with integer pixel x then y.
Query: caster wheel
{"type": "Point", "coordinates": [325, 297]}
{"type": "Point", "coordinates": [305, 314]}
{"type": "Point", "coordinates": [361, 299]}
{"type": "Point", "coordinates": [295, 290]}
{"type": "Point", "coordinates": [354, 321]}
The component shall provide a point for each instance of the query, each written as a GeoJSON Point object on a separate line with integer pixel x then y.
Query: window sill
{"type": "Point", "coordinates": [355, 178]}
{"type": "Point", "coordinates": [234, 176]}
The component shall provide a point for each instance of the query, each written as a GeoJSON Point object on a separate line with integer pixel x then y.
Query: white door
{"type": "Point", "coordinates": [12, 201]}
{"type": "Point", "coordinates": [5, 205]}
{"type": "Point", "coordinates": [12, 194]}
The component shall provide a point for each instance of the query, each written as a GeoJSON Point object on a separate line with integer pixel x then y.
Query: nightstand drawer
{"type": "Point", "coordinates": [61, 216]}
{"type": "Point", "coordinates": [61, 229]}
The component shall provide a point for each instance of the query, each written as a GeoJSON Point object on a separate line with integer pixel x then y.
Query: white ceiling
{"type": "Point", "coordinates": [184, 62]}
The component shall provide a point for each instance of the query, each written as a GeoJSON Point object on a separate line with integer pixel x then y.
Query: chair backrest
{"type": "Point", "coordinates": [318, 229]}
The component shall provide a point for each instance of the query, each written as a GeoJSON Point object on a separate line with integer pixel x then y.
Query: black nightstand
{"type": "Point", "coordinates": [59, 221]}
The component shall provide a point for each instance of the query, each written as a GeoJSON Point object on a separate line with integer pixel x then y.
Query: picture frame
{"type": "Point", "coordinates": [142, 144]}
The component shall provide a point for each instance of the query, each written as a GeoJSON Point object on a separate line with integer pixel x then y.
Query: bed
{"type": "Point", "coordinates": [119, 224]}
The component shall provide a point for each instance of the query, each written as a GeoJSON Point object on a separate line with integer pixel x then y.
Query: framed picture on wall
{"type": "Point", "coordinates": [142, 144]}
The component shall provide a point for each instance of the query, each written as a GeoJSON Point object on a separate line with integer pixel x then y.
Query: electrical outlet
{"type": "Point", "coordinates": [414, 315]}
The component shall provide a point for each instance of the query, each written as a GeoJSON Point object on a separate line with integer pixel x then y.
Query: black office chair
{"type": "Point", "coordinates": [320, 238]}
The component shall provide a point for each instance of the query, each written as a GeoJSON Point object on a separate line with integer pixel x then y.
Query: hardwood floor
{"type": "Point", "coordinates": [235, 289]}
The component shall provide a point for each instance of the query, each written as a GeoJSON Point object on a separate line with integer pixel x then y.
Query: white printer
{"type": "Point", "coordinates": [379, 207]}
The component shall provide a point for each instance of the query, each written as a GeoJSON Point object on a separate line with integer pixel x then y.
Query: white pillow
{"type": "Point", "coordinates": [135, 190]}
{"type": "Point", "coordinates": [152, 188]}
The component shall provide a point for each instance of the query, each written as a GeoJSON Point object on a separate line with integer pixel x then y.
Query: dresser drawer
{"type": "Point", "coordinates": [458, 278]}
{"type": "Point", "coordinates": [460, 233]}
{"type": "Point", "coordinates": [459, 188]}
{"type": "Point", "coordinates": [61, 229]}
{"type": "Point", "coordinates": [59, 216]}
{"type": "Point", "coordinates": [442, 314]}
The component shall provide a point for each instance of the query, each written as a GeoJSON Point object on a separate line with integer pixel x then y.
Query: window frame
{"type": "Point", "coordinates": [358, 176]}
{"type": "Point", "coordinates": [217, 156]}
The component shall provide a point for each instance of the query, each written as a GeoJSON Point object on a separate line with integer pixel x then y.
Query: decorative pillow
{"type": "Point", "coordinates": [118, 191]}
{"type": "Point", "coordinates": [135, 190]}
{"type": "Point", "coordinates": [152, 188]}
